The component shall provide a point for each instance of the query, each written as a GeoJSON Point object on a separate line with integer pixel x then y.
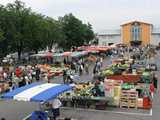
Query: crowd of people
{"type": "Point", "coordinates": [19, 76]}
{"type": "Point", "coordinates": [26, 74]}
{"type": "Point", "coordinates": [22, 75]}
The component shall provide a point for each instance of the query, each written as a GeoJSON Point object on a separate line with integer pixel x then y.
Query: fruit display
{"type": "Point", "coordinates": [114, 69]}
{"type": "Point", "coordinates": [124, 66]}
{"type": "Point", "coordinates": [107, 72]}
{"type": "Point", "coordinates": [58, 69]}
{"type": "Point", "coordinates": [83, 90]}
{"type": "Point", "coordinates": [145, 74]}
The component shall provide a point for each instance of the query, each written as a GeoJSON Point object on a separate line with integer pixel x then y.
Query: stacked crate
{"type": "Point", "coordinates": [128, 98]}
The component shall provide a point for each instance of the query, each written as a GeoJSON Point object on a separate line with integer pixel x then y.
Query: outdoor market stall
{"type": "Point", "coordinates": [37, 92]}
{"type": "Point", "coordinates": [135, 87]}
{"type": "Point", "coordinates": [86, 95]}
{"type": "Point", "coordinates": [52, 70]}
{"type": "Point", "coordinates": [46, 57]}
{"type": "Point", "coordinates": [79, 54]}
{"type": "Point", "coordinates": [62, 58]}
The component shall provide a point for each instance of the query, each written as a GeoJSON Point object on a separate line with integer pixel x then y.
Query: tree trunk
{"type": "Point", "coordinates": [50, 46]}
{"type": "Point", "coordinates": [36, 51]}
{"type": "Point", "coordinates": [19, 54]}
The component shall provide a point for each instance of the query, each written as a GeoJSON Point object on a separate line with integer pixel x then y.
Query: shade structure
{"type": "Point", "coordinates": [66, 54]}
{"type": "Point", "coordinates": [79, 54]}
{"type": "Point", "coordinates": [38, 55]}
{"type": "Point", "coordinates": [37, 92]}
{"type": "Point", "coordinates": [58, 55]}
{"type": "Point", "coordinates": [48, 55]}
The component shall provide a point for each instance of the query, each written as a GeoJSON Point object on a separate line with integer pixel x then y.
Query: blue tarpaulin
{"type": "Point", "coordinates": [37, 92]}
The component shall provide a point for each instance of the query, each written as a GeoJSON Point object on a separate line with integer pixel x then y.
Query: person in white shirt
{"type": "Point", "coordinates": [56, 104]}
{"type": "Point", "coordinates": [5, 76]}
{"type": "Point", "coordinates": [101, 61]}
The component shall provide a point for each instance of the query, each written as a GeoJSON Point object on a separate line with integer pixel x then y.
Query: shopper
{"type": "Point", "coordinates": [101, 61]}
{"type": "Point", "coordinates": [64, 76]}
{"type": "Point", "coordinates": [151, 87]}
{"type": "Point", "coordinates": [98, 66]}
{"type": "Point", "coordinates": [81, 69]}
{"type": "Point", "coordinates": [56, 104]}
{"type": "Point", "coordinates": [94, 70]}
{"type": "Point", "coordinates": [86, 68]}
{"type": "Point", "coordinates": [37, 73]}
{"type": "Point", "coordinates": [155, 81]}
{"type": "Point", "coordinates": [5, 76]}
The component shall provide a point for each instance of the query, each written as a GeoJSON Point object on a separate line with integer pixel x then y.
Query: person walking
{"type": "Point", "coordinates": [101, 61]}
{"type": "Point", "coordinates": [81, 69]}
{"type": "Point", "coordinates": [64, 76]}
{"type": "Point", "coordinates": [86, 68]}
{"type": "Point", "coordinates": [38, 71]}
{"type": "Point", "coordinates": [155, 82]}
{"type": "Point", "coordinates": [151, 87]}
{"type": "Point", "coordinates": [56, 104]}
{"type": "Point", "coordinates": [98, 66]}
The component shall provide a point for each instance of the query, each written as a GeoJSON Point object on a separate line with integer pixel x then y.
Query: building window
{"type": "Point", "coordinates": [136, 32]}
{"type": "Point", "coordinates": [104, 43]}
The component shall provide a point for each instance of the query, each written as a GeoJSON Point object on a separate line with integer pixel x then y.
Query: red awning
{"type": "Point", "coordinates": [128, 78]}
{"type": "Point", "coordinates": [65, 54]}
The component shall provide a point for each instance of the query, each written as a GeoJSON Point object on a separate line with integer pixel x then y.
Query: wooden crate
{"type": "Point", "coordinates": [128, 99]}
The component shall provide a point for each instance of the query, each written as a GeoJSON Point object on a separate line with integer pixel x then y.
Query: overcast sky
{"type": "Point", "coordinates": [102, 14]}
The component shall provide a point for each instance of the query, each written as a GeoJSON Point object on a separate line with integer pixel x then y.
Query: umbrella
{"type": "Point", "coordinates": [37, 92]}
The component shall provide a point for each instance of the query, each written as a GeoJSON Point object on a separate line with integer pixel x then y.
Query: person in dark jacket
{"type": "Point", "coordinates": [155, 81]}
{"type": "Point", "coordinates": [64, 76]}
{"type": "Point", "coordinates": [38, 73]}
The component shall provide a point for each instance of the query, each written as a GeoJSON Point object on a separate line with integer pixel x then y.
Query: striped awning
{"type": "Point", "coordinates": [37, 92]}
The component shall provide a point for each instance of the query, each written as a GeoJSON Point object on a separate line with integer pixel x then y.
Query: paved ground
{"type": "Point", "coordinates": [82, 114]}
{"type": "Point", "coordinates": [13, 110]}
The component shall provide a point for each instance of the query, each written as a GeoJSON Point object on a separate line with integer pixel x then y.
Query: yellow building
{"type": "Point", "coordinates": [133, 33]}
{"type": "Point", "coordinates": [136, 33]}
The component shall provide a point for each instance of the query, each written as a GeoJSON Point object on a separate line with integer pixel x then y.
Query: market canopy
{"type": "Point", "coordinates": [58, 55]}
{"type": "Point", "coordinates": [37, 92]}
{"type": "Point", "coordinates": [38, 55]}
{"type": "Point", "coordinates": [79, 53]}
{"type": "Point", "coordinates": [66, 54]}
{"type": "Point", "coordinates": [47, 55]}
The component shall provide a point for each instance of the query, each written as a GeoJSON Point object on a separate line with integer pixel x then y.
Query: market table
{"type": "Point", "coordinates": [85, 101]}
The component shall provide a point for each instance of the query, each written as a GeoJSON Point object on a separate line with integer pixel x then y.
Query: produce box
{"type": "Point", "coordinates": [140, 102]}
{"type": "Point", "coordinates": [128, 78]}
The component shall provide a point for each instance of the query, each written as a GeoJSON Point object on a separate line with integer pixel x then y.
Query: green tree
{"type": "Point", "coordinates": [76, 33]}
{"type": "Point", "coordinates": [53, 32]}
{"type": "Point", "coordinates": [35, 32]}
{"type": "Point", "coordinates": [88, 33]}
{"type": "Point", "coordinates": [22, 30]}
{"type": "Point", "coordinates": [15, 30]}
